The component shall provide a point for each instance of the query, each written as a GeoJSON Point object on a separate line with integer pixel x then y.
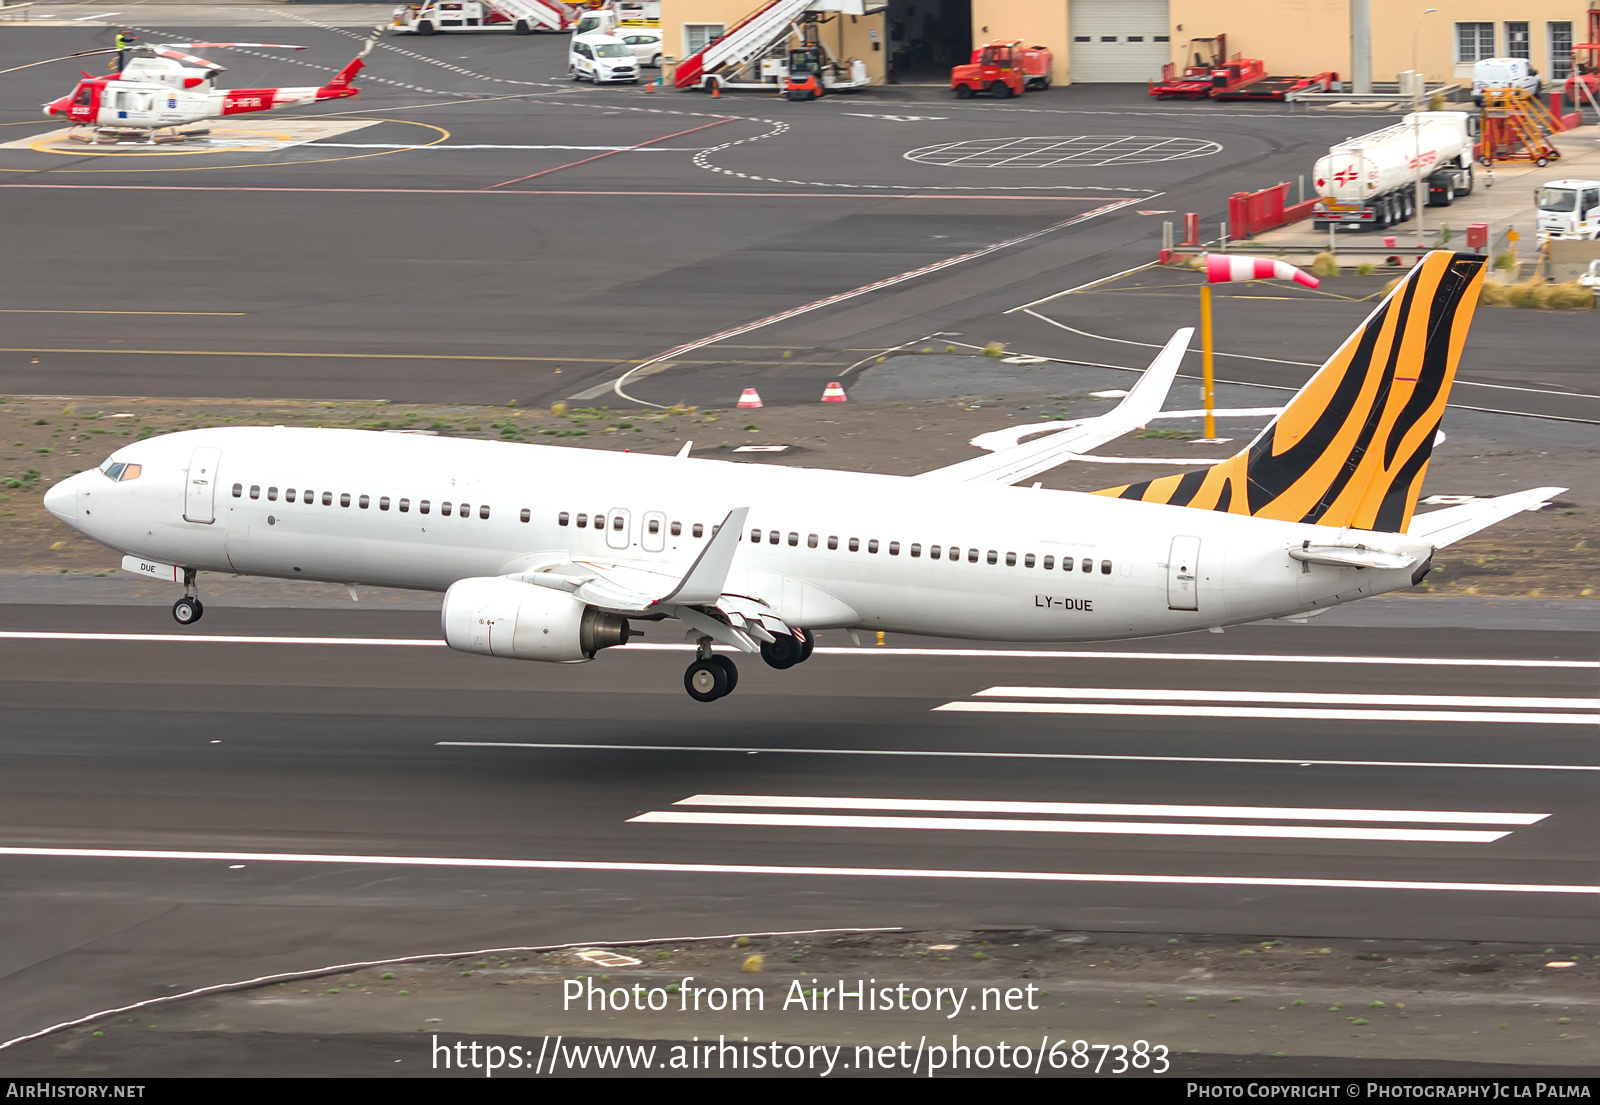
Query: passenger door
{"type": "Point", "coordinates": [1183, 574]}
{"type": "Point", "coordinates": [200, 495]}
{"type": "Point", "coordinates": [618, 530]}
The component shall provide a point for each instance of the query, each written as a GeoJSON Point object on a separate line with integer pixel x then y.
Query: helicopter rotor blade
{"type": "Point", "coordinates": [49, 61]}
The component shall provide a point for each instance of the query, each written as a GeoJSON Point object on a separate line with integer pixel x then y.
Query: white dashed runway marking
{"type": "Point", "coordinates": [1078, 151]}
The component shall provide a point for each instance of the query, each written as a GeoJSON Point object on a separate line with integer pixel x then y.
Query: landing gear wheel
{"type": "Point", "coordinates": [187, 610]}
{"type": "Point", "coordinates": [808, 642]}
{"type": "Point", "coordinates": [782, 652]}
{"type": "Point", "coordinates": [731, 668]}
{"type": "Point", "coordinates": [706, 680]}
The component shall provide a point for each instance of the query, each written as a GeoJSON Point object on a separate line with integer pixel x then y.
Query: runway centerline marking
{"type": "Point", "coordinates": [960, 754]}
{"type": "Point", "coordinates": [830, 650]}
{"type": "Point", "coordinates": [1123, 809]}
{"type": "Point", "coordinates": [1319, 698]}
{"type": "Point", "coordinates": [1272, 713]}
{"type": "Point", "coordinates": [1096, 828]}
{"type": "Point", "coordinates": [798, 871]}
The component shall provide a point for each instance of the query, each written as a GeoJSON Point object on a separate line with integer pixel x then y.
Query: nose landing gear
{"type": "Point", "coordinates": [189, 609]}
{"type": "Point", "coordinates": [710, 677]}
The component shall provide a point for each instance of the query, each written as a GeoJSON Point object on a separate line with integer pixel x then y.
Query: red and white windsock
{"type": "Point", "coordinates": [1224, 268]}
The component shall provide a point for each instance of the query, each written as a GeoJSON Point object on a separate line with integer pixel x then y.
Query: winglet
{"type": "Point", "coordinates": [705, 579]}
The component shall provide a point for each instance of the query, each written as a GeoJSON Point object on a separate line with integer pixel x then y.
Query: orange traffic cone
{"type": "Point", "coordinates": [749, 399]}
{"type": "Point", "coordinates": [716, 90]}
{"type": "Point", "coordinates": [833, 393]}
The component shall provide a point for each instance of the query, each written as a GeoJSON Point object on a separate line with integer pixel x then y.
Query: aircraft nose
{"type": "Point", "coordinates": [62, 501]}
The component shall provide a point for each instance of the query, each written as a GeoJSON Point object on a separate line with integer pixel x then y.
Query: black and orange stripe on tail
{"type": "Point", "coordinates": [1352, 446]}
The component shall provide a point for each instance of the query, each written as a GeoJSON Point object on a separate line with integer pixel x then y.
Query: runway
{"type": "Point", "coordinates": [310, 785]}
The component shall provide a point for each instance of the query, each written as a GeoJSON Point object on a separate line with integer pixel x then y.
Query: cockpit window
{"type": "Point", "coordinates": [120, 472]}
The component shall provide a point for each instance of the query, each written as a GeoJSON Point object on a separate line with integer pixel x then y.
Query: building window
{"type": "Point", "coordinates": [697, 36]}
{"type": "Point", "coordinates": [561, 519]}
{"type": "Point", "coordinates": [1560, 37]}
{"type": "Point", "coordinates": [405, 506]}
{"type": "Point", "coordinates": [272, 494]}
{"type": "Point", "coordinates": [1517, 39]}
{"type": "Point", "coordinates": [364, 502]}
{"type": "Point", "coordinates": [1474, 42]}
{"type": "Point", "coordinates": [255, 491]}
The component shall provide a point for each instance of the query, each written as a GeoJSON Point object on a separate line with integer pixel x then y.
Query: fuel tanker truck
{"type": "Point", "coordinates": [1370, 181]}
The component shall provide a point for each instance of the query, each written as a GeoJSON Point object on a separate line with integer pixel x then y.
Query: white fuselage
{"type": "Point", "coordinates": [658, 512]}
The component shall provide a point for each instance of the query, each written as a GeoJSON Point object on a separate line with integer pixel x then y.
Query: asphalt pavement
{"type": "Point", "coordinates": [180, 813]}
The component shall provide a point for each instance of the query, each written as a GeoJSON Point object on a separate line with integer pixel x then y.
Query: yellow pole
{"type": "Point", "coordinates": [1207, 380]}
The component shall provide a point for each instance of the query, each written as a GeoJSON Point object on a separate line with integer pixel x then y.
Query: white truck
{"type": "Point", "coordinates": [1370, 181]}
{"type": "Point", "coordinates": [616, 17]}
{"type": "Point", "coordinates": [1570, 209]}
{"type": "Point", "coordinates": [523, 17]}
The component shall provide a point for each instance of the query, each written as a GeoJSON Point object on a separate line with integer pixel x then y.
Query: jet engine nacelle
{"type": "Point", "coordinates": [522, 621]}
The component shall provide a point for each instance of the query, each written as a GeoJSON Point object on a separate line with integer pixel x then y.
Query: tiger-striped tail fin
{"type": "Point", "coordinates": [1352, 447]}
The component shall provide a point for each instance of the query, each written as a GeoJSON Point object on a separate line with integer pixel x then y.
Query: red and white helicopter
{"type": "Point", "coordinates": [162, 88]}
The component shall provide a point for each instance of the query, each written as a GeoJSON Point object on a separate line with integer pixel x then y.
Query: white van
{"type": "Point", "coordinates": [603, 59]}
{"type": "Point", "coordinates": [1504, 73]}
{"type": "Point", "coordinates": [1570, 209]}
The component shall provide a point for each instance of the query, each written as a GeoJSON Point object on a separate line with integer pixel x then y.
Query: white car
{"type": "Point", "coordinates": [645, 45]}
{"type": "Point", "coordinates": [1504, 73]}
{"type": "Point", "coordinates": [603, 59]}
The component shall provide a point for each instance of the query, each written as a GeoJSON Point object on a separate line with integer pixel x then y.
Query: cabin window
{"type": "Point", "coordinates": [238, 488]}
{"type": "Point", "coordinates": [972, 556]}
{"type": "Point", "coordinates": [855, 544]}
{"type": "Point", "coordinates": [794, 539]}
{"type": "Point", "coordinates": [583, 521]}
{"type": "Point", "coordinates": [933, 552]}
{"type": "Point", "coordinates": [527, 515]}
{"type": "Point", "coordinates": [446, 508]}
{"type": "Point", "coordinates": [1105, 567]}
{"type": "Point", "coordinates": [811, 540]}
{"type": "Point", "coordinates": [1087, 565]}
{"type": "Point", "coordinates": [617, 523]}
{"type": "Point", "coordinates": [422, 506]}
{"type": "Point", "coordinates": [1011, 560]}
{"type": "Point", "coordinates": [288, 494]}
{"type": "Point", "coordinates": [1066, 563]}
{"type": "Point", "coordinates": [677, 528]}
{"type": "Point", "coordinates": [916, 550]}
{"type": "Point", "coordinates": [772, 537]}
{"type": "Point", "coordinates": [833, 542]}
{"type": "Point", "coordinates": [1049, 563]}
{"type": "Point", "coordinates": [872, 546]}
{"type": "Point", "coordinates": [344, 498]}
{"type": "Point", "coordinates": [698, 529]}
{"type": "Point", "coordinates": [894, 548]}
{"type": "Point", "coordinates": [327, 498]}
{"type": "Point", "coordinates": [993, 556]}
{"type": "Point", "coordinates": [1027, 561]}
{"type": "Point", "coordinates": [272, 494]}
{"type": "Point", "coordinates": [654, 525]}
{"type": "Point", "coordinates": [364, 502]}
{"type": "Point", "coordinates": [563, 518]}
{"type": "Point", "coordinates": [309, 496]}
{"type": "Point", "coordinates": [383, 502]}
{"type": "Point", "coordinates": [466, 510]}
{"type": "Point", "coordinates": [255, 491]}
{"type": "Point", "coordinates": [483, 510]}
{"type": "Point", "coordinates": [755, 537]}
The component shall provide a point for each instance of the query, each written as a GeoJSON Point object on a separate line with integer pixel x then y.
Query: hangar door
{"type": "Point", "coordinates": [1119, 41]}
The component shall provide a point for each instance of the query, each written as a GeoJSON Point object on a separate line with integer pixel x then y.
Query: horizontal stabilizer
{"type": "Point", "coordinates": [1446, 527]}
{"type": "Point", "coordinates": [1143, 402]}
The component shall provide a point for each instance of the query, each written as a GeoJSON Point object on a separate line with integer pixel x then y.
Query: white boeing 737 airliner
{"type": "Point", "coordinates": [546, 553]}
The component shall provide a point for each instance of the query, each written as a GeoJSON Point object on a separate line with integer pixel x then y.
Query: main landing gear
{"type": "Point", "coordinates": [189, 609]}
{"type": "Point", "coordinates": [712, 676]}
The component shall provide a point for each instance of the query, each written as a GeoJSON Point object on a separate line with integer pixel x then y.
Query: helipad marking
{"type": "Point", "coordinates": [279, 134]}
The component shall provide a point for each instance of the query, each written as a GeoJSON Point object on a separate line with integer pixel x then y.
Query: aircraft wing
{"type": "Point", "coordinates": [1447, 526]}
{"type": "Point", "coordinates": [1019, 462]}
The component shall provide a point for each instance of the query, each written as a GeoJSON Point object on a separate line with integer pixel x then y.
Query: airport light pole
{"type": "Point", "coordinates": [1418, 87]}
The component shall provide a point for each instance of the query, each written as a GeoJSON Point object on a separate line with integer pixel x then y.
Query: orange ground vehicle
{"type": "Point", "coordinates": [1003, 69]}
